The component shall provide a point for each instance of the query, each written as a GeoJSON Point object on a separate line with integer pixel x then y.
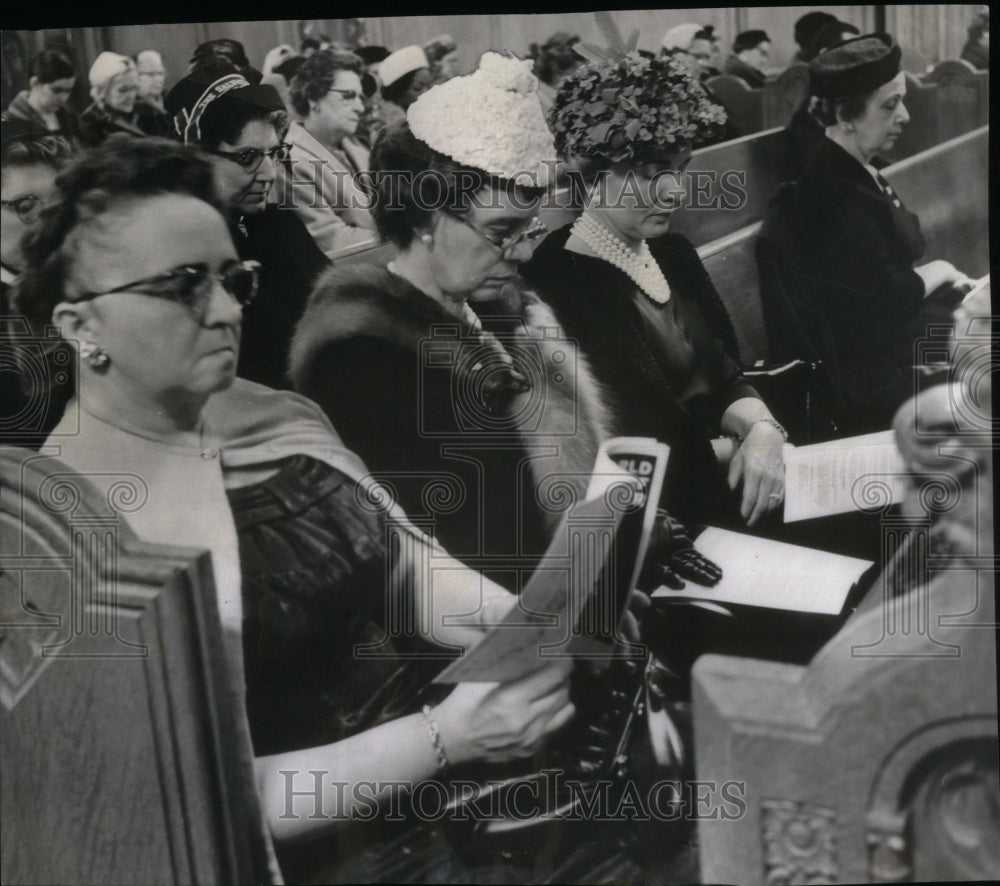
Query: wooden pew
{"type": "Point", "coordinates": [741, 176]}
{"type": "Point", "coordinates": [948, 101]}
{"type": "Point", "coordinates": [982, 81]}
{"type": "Point", "coordinates": [876, 761]}
{"type": "Point", "coordinates": [783, 94]}
{"type": "Point", "coordinates": [731, 264]}
{"type": "Point", "coordinates": [947, 187]}
{"type": "Point", "coordinates": [120, 760]}
{"type": "Point", "coordinates": [744, 105]}
{"type": "Point", "coordinates": [958, 97]}
{"type": "Point", "coordinates": [374, 252]}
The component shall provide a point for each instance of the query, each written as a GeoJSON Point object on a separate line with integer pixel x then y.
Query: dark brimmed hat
{"type": "Point", "coordinates": [807, 27]}
{"type": "Point", "coordinates": [200, 98]}
{"type": "Point", "coordinates": [372, 55]}
{"type": "Point", "coordinates": [855, 67]}
{"type": "Point", "coordinates": [831, 34]}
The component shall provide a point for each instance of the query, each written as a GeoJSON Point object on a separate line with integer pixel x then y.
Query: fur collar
{"type": "Point", "coordinates": [571, 419]}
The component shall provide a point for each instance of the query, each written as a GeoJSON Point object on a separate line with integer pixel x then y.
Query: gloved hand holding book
{"type": "Point", "coordinates": [671, 558]}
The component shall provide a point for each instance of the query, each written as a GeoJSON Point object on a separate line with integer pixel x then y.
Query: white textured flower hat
{"type": "Point", "coordinates": [491, 120]}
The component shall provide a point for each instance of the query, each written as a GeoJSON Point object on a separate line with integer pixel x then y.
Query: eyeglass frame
{"type": "Point", "coordinates": [353, 93]}
{"type": "Point", "coordinates": [278, 154]}
{"type": "Point", "coordinates": [135, 286]}
{"type": "Point", "coordinates": [20, 214]}
{"type": "Point", "coordinates": [535, 229]}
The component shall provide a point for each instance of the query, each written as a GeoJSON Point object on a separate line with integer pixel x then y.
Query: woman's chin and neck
{"type": "Point", "coordinates": [167, 415]}
{"type": "Point", "coordinates": [414, 264]}
{"type": "Point", "coordinates": [331, 138]}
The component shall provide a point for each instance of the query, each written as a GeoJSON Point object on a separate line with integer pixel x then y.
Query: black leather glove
{"type": "Point", "coordinates": [671, 558]}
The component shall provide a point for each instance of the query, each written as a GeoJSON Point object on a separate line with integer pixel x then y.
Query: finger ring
{"type": "Point", "coordinates": [775, 495]}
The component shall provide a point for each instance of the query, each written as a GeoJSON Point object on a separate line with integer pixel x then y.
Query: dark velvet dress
{"type": "Point", "coordinates": [314, 568]}
{"type": "Point", "coordinates": [673, 369]}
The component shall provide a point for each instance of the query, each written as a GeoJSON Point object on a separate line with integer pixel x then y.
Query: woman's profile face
{"type": "Point", "coordinates": [422, 81]}
{"type": "Point", "coordinates": [339, 111]}
{"type": "Point", "coordinates": [242, 189]}
{"type": "Point", "coordinates": [883, 118]}
{"type": "Point", "coordinates": [159, 350]}
{"type": "Point", "coordinates": [50, 97]}
{"type": "Point", "coordinates": [28, 188]}
{"type": "Point", "coordinates": [638, 200]}
{"type": "Point", "coordinates": [465, 259]}
{"type": "Point", "coordinates": [122, 92]}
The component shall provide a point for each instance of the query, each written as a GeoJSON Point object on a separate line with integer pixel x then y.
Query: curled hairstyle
{"type": "Point", "coordinates": [411, 181]}
{"type": "Point", "coordinates": [121, 169]}
{"type": "Point", "coordinates": [52, 65]}
{"type": "Point", "coordinates": [749, 40]}
{"type": "Point", "coordinates": [231, 50]}
{"type": "Point", "coordinates": [38, 150]}
{"type": "Point", "coordinates": [314, 77]}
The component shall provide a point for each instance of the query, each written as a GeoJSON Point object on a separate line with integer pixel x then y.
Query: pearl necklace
{"type": "Point", "coordinates": [640, 266]}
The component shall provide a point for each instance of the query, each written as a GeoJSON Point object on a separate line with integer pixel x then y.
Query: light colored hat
{"type": "Point", "coordinates": [491, 120]}
{"type": "Point", "coordinates": [680, 36]}
{"type": "Point", "coordinates": [275, 57]}
{"type": "Point", "coordinates": [106, 66]}
{"type": "Point", "coordinates": [401, 63]}
{"type": "Point", "coordinates": [148, 55]}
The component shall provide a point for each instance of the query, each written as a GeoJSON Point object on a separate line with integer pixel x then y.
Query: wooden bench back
{"type": "Point", "coordinates": [783, 94]}
{"type": "Point", "coordinates": [120, 760]}
{"type": "Point", "coordinates": [945, 103]}
{"type": "Point", "coordinates": [946, 186]}
{"type": "Point", "coordinates": [731, 185]}
{"type": "Point", "coordinates": [743, 104]}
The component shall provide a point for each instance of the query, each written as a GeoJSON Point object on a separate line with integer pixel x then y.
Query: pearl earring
{"type": "Point", "coordinates": [426, 239]}
{"type": "Point", "coordinates": [94, 355]}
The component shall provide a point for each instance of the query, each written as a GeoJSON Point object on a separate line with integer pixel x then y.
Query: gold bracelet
{"type": "Point", "coordinates": [768, 421]}
{"type": "Point", "coordinates": [435, 736]}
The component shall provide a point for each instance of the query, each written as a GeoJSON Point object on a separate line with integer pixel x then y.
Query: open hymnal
{"type": "Point", "coordinates": [852, 474]}
{"type": "Point", "coordinates": [772, 574]}
{"type": "Point", "coordinates": [574, 600]}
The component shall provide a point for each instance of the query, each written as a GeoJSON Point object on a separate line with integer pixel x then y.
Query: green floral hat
{"type": "Point", "coordinates": [622, 104]}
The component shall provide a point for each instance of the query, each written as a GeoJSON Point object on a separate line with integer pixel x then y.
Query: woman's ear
{"type": "Point", "coordinates": [74, 321]}
{"type": "Point", "coordinates": [842, 124]}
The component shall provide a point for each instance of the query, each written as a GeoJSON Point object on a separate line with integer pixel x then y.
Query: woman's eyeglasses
{"type": "Point", "coordinates": [251, 158]}
{"type": "Point", "coordinates": [349, 95]}
{"type": "Point", "coordinates": [533, 231]}
{"type": "Point", "coordinates": [28, 207]}
{"type": "Point", "coordinates": [192, 285]}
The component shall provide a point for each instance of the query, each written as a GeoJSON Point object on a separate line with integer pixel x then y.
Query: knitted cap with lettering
{"type": "Point", "coordinates": [855, 67]}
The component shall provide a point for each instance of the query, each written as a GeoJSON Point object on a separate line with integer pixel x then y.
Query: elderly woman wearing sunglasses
{"type": "Point", "coordinates": [240, 124]}
{"type": "Point", "coordinates": [320, 181]}
{"type": "Point", "coordinates": [465, 415]}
